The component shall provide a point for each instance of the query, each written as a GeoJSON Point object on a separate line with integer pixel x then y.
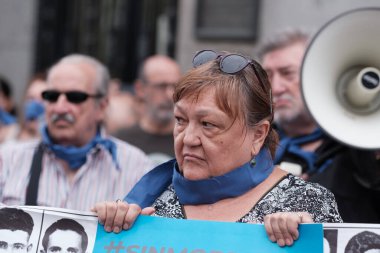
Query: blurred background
{"type": "Point", "coordinates": [121, 33]}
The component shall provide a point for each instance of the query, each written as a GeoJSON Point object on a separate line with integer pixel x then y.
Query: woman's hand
{"type": "Point", "coordinates": [119, 215]}
{"type": "Point", "coordinates": [283, 227]}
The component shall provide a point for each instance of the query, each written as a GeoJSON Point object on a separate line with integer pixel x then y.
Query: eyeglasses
{"type": "Point", "coordinates": [229, 63]}
{"type": "Point", "coordinates": [232, 64]}
{"type": "Point", "coordinates": [75, 97]}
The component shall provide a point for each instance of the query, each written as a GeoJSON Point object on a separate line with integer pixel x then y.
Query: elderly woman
{"type": "Point", "coordinates": [224, 144]}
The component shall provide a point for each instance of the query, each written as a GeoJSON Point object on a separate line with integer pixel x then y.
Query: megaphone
{"type": "Point", "coordinates": [340, 78]}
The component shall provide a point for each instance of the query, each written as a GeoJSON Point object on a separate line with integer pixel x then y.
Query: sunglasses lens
{"type": "Point", "coordinates": [50, 95]}
{"type": "Point", "coordinates": [233, 63]}
{"type": "Point", "coordinates": [203, 57]}
{"type": "Point", "coordinates": [76, 97]}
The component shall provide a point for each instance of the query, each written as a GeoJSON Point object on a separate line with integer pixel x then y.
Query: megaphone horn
{"type": "Point", "coordinates": [340, 78]}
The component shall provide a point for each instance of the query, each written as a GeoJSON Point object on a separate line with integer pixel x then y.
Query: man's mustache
{"type": "Point", "coordinates": [66, 117]}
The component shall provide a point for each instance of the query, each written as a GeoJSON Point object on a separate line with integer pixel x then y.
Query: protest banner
{"type": "Point", "coordinates": [164, 235]}
{"type": "Point", "coordinates": [43, 230]}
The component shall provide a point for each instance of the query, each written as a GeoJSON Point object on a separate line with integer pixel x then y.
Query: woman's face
{"type": "Point", "coordinates": [206, 144]}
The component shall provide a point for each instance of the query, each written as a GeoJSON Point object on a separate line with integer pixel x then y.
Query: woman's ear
{"type": "Point", "coordinates": [260, 133]}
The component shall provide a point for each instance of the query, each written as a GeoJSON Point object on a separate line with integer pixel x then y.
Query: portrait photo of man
{"type": "Point", "coordinates": [65, 236]}
{"type": "Point", "coordinates": [16, 227]}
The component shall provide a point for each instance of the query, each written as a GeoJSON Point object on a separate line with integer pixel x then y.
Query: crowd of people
{"type": "Point", "coordinates": [182, 145]}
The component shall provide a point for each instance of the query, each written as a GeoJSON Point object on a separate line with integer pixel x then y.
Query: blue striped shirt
{"type": "Point", "coordinates": [98, 179]}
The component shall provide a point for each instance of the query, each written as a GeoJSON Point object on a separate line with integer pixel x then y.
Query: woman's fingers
{"type": "Point", "coordinates": [122, 210]}
{"type": "Point", "coordinates": [118, 215]}
{"type": "Point", "coordinates": [275, 232]}
{"type": "Point", "coordinates": [289, 227]}
{"type": "Point", "coordinates": [133, 211]}
{"type": "Point", "coordinates": [111, 208]}
{"type": "Point", "coordinates": [100, 210]}
{"type": "Point", "coordinates": [268, 228]}
{"type": "Point", "coordinates": [283, 227]}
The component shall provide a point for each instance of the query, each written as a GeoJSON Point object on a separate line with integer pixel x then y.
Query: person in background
{"type": "Point", "coordinates": [351, 174]}
{"type": "Point", "coordinates": [8, 121]}
{"type": "Point", "coordinates": [6, 97]}
{"type": "Point", "coordinates": [304, 148]}
{"type": "Point", "coordinates": [9, 127]}
{"type": "Point", "coordinates": [223, 169]}
{"type": "Point", "coordinates": [33, 113]}
{"type": "Point", "coordinates": [76, 164]}
{"type": "Point", "coordinates": [114, 87]}
{"type": "Point", "coordinates": [122, 112]}
{"type": "Point", "coordinates": [154, 88]}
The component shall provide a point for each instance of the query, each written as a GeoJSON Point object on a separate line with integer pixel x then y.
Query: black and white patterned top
{"type": "Point", "coordinates": [291, 194]}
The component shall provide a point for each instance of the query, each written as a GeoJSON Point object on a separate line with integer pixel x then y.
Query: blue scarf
{"type": "Point", "coordinates": [75, 156]}
{"type": "Point", "coordinates": [229, 185]}
{"type": "Point", "coordinates": [33, 110]}
{"type": "Point", "coordinates": [207, 191]}
{"type": "Point", "coordinates": [292, 145]}
{"type": "Point", "coordinates": [6, 118]}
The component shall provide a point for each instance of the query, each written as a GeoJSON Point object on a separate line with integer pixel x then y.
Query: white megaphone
{"type": "Point", "coordinates": [340, 78]}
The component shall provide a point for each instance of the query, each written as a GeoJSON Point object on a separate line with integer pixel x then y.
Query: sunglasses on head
{"type": "Point", "coordinates": [75, 97]}
{"type": "Point", "coordinates": [229, 63]}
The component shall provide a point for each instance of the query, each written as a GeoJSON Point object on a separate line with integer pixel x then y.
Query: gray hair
{"type": "Point", "coordinates": [102, 78]}
{"type": "Point", "coordinates": [282, 39]}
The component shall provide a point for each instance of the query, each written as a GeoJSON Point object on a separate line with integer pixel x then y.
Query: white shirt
{"type": "Point", "coordinates": [97, 180]}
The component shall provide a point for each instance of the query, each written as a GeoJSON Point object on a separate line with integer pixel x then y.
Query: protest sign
{"type": "Point", "coordinates": [42, 229]}
{"type": "Point", "coordinates": [164, 235]}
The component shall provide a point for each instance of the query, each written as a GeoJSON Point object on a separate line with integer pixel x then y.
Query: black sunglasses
{"type": "Point", "coordinates": [229, 63]}
{"type": "Point", "coordinates": [75, 97]}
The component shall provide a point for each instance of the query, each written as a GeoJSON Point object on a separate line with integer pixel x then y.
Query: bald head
{"type": "Point", "coordinates": [96, 71]}
{"type": "Point", "coordinates": [159, 67]}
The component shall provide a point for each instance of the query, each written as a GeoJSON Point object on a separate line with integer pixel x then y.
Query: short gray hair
{"type": "Point", "coordinates": [282, 39]}
{"type": "Point", "coordinates": [102, 78]}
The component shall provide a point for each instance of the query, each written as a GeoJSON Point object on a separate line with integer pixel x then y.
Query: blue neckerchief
{"type": "Point", "coordinates": [75, 156]}
{"type": "Point", "coordinates": [232, 184]}
{"type": "Point", "coordinates": [33, 109]}
{"type": "Point", "coordinates": [293, 145]}
{"type": "Point", "coordinates": [151, 185]}
{"type": "Point", "coordinates": [6, 118]}
{"type": "Point", "coordinates": [229, 185]}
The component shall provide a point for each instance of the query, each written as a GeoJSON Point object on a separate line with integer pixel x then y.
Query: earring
{"type": "Point", "coordinates": [252, 163]}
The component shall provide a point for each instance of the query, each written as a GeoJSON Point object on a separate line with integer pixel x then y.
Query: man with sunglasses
{"type": "Point", "coordinates": [154, 88]}
{"type": "Point", "coordinates": [76, 164]}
